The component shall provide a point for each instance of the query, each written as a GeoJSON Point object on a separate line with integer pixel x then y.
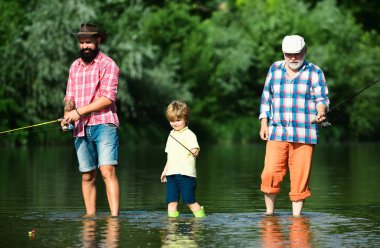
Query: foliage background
{"type": "Point", "coordinates": [213, 54]}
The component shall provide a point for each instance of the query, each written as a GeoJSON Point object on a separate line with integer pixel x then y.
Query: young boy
{"type": "Point", "coordinates": [180, 172]}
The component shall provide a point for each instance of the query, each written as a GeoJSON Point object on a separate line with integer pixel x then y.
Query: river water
{"type": "Point", "coordinates": [40, 191]}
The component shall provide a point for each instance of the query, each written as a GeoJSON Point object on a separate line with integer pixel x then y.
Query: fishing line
{"type": "Point", "coordinates": [326, 123]}
{"type": "Point", "coordinates": [181, 144]}
{"type": "Point", "coordinates": [356, 94]}
{"type": "Point", "coordinates": [162, 129]}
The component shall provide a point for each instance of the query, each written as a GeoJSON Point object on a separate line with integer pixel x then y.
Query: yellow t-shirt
{"type": "Point", "coordinates": [180, 160]}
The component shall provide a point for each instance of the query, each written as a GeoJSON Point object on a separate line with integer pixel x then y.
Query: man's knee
{"type": "Point", "coordinates": [108, 171]}
{"type": "Point", "coordinates": [89, 177]}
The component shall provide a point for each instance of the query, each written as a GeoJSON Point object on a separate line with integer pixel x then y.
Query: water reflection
{"type": "Point", "coordinates": [39, 190]}
{"type": "Point", "coordinates": [179, 234]}
{"type": "Point", "coordinates": [109, 236]}
{"type": "Point", "coordinates": [300, 235]}
{"type": "Point", "coordinates": [295, 233]}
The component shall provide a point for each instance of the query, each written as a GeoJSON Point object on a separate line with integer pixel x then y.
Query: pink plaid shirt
{"type": "Point", "coordinates": [89, 82]}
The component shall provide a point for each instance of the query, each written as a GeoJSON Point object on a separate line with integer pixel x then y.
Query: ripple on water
{"type": "Point", "coordinates": [313, 229]}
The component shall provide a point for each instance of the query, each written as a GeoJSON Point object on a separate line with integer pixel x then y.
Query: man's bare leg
{"type": "Point", "coordinates": [297, 208]}
{"type": "Point", "coordinates": [112, 187]}
{"type": "Point", "coordinates": [89, 192]}
{"type": "Point", "coordinates": [270, 199]}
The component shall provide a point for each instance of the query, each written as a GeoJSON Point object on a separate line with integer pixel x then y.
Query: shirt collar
{"type": "Point", "coordinates": [303, 66]}
{"type": "Point", "coordinates": [180, 131]}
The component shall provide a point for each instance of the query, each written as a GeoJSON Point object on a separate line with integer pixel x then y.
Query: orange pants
{"type": "Point", "coordinates": [281, 155]}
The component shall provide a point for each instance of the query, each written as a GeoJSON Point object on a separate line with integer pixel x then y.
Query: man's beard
{"type": "Point", "coordinates": [88, 57]}
{"type": "Point", "coordinates": [296, 65]}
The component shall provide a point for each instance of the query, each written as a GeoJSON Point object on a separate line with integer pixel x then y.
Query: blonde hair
{"type": "Point", "coordinates": [178, 110]}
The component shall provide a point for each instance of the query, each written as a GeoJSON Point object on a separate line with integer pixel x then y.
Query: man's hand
{"type": "Point", "coordinates": [264, 130]}
{"type": "Point", "coordinates": [71, 116]}
{"type": "Point", "coordinates": [64, 125]}
{"type": "Point", "coordinates": [69, 106]}
{"type": "Point", "coordinates": [321, 116]}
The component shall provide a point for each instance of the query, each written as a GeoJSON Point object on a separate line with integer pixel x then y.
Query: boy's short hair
{"type": "Point", "coordinates": [178, 110]}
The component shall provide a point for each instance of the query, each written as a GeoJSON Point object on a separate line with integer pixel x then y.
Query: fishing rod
{"type": "Point", "coordinates": [326, 123]}
{"type": "Point", "coordinates": [31, 126]}
{"type": "Point", "coordinates": [182, 144]}
{"type": "Point", "coordinates": [162, 129]}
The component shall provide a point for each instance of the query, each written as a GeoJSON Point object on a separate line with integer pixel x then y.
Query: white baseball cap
{"type": "Point", "coordinates": [293, 44]}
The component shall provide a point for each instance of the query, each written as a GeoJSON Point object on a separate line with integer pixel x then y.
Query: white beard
{"type": "Point", "coordinates": [296, 65]}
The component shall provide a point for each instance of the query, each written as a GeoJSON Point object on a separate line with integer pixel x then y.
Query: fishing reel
{"type": "Point", "coordinates": [68, 127]}
{"type": "Point", "coordinates": [324, 124]}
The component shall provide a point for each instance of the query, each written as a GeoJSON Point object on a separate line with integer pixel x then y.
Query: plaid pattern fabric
{"type": "Point", "coordinates": [89, 82]}
{"type": "Point", "coordinates": [290, 105]}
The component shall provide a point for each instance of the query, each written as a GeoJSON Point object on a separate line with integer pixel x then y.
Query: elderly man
{"type": "Point", "coordinates": [90, 104]}
{"type": "Point", "coordinates": [293, 102]}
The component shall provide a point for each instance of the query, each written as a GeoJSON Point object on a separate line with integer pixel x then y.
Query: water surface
{"type": "Point", "coordinates": [40, 190]}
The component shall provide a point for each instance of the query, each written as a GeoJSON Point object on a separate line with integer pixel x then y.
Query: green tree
{"type": "Point", "coordinates": [37, 59]}
{"type": "Point", "coordinates": [212, 54]}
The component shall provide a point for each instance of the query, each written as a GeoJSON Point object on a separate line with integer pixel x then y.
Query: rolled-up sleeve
{"type": "Point", "coordinates": [320, 90]}
{"type": "Point", "coordinates": [109, 81]}
{"type": "Point", "coordinates": [70, 95]}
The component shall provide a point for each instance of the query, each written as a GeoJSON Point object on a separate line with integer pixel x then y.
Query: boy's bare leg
{"type": "Point", "coordinates": [194, 207]}
{"type": "Point", "coordinates": [112, 188]}
{"type": "Point", "coordinates": [172, 206]}
{"type": "Point", "coordinates": [89, 192]}
{"type": "Point", "coordinates": [270, 199]}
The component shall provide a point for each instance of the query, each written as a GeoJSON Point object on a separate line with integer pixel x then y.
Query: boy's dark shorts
{"type": "Point", "coordinates": [179, 185]}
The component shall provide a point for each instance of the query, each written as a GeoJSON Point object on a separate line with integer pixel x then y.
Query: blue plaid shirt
{"type": "Point", "coordinates": [290, 105]}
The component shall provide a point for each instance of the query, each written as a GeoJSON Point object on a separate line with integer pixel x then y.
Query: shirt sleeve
{"type": "Point", "coordinates": [167, 145]}
{"type": "Point", "coordinates": [109, 79]}
{"type": "Point", "coordinates": [70, 87]}
{"type": "Point", "coordinates": [266, 97]}
{"type": "Point", "coordinates": [192, 141]}
{"type": "Point", "coordinates": [320, 91]}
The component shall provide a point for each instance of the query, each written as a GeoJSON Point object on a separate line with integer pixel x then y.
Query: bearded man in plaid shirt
{"type": "Point", "coordinates": [294, 101]}
{"type": "Point", "coordinates": [90, 104]}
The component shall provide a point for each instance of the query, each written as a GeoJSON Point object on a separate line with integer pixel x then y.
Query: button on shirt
{"type": "Point", "coordinates": [180, 160]}
{"type": "Point", "coordinates": [89, 82]}
{"type": "Point", "coordinates": [290, 105]}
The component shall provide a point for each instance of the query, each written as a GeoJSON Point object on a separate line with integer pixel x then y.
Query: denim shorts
{"type": "Point", "coordinates": [179, 185]}
{"type": "Point", "coordinates": [99, 146]}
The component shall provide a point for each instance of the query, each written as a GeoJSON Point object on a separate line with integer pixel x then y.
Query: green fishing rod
{"type": "Point", "coordinates": [8, 132]}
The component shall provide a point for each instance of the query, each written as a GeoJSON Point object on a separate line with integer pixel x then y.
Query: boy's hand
{"type": "Point", "coordinates": [163, 177]}
{"type": "Point", "coordinates": [195, 152]}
